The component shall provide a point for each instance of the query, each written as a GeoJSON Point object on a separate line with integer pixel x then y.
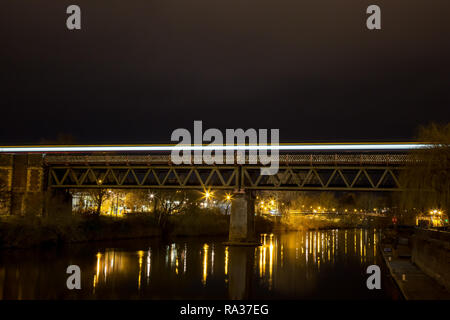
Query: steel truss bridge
{"type": "Point", "coordinates": [332, 172]}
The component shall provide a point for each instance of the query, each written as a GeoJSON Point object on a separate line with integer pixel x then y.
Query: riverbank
{"type": "Point", "coordinates": [32, 231]}
{"type": "Point", "coordinates": [327, 221]}
{"type": "Point", "coordinates": [23, 232]}
{"type": "Point", "coordinates": [413, 282]}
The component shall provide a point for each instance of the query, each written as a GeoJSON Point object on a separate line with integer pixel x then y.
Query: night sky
{"type": "Point", "coordinates": [139, 69]}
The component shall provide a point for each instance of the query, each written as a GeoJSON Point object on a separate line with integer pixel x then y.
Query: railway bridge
{"type": "Point", "coordinates": [30, 173]}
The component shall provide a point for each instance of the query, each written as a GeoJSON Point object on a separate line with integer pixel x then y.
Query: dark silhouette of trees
{"type": "Point", "coordinates": [98, 196]}
{"type": "Point", "coordinates": [427, 177]}
{"type": "Point", "coordinates": [169, 202]}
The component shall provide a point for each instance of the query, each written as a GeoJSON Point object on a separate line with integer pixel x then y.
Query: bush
{"type": "Point", "coordinates": [33, 231]}
{"type": "Point", "coordinates": [199, 222]}
{"type": "Point", "coordinates": [263, 224]}
{"type": "Point", "coordinates": [307, 222]}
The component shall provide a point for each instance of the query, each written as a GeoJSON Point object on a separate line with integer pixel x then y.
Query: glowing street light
{"type": "Point", "coordinates": [208, 195]}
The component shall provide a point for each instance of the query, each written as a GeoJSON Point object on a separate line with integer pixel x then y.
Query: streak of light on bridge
{"type": "Point", "coordinates": [402, 146]}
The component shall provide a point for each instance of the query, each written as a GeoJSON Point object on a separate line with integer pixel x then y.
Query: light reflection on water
{"type": "Point", "coordinates": [295, 265]}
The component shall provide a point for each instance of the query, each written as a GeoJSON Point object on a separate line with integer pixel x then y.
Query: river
{"type": "Point", "coordinates": [327, 264]}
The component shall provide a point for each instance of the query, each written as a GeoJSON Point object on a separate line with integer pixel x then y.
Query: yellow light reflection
{"type": "Point", "coordinates": [360, 245]}
{"type": "Point", "coordinates": [226, 260]}
{"type": "Point", "coordinates": [140, 255]}
{"type": "Point", "coordinates": [260, 261]}
{"type": "Point", "coordinates": [270, 261]}
{"type": "Point", "coordinates": [99, 256]}
{"type": "Point", "coordinates": [375, 246]}
{"type": "Point", "coordinates": [307, 246]}
{"type": "Point", "coordinates": [205, 263]}
{"type": "Point", "coordinates": [314, 246]}
{"type": "Point", "coordinates": [333, 248]}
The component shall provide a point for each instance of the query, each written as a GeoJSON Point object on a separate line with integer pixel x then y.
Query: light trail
{"type": "Point", "coordinates": [166, 148]}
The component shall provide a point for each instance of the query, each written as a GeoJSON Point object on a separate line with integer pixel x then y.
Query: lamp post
{"type": "Point", "coordinates": [228, 200]}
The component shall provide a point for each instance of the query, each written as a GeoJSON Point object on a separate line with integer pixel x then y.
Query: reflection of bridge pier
{"type": "Point", "coordinates": [240, 272]}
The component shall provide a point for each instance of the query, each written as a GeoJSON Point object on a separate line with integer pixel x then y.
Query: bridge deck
{"type": "Point", "coordinates": [284, 159]}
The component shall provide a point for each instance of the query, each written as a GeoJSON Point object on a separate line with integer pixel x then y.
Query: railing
{"type": "Point", "coordinates": [286, 159]}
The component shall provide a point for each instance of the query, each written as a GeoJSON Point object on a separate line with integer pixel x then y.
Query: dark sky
{"type": "Point", "coordinates": [139, 69]}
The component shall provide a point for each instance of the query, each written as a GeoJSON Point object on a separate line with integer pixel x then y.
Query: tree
{"type": "Point", "coordinates": [98, 196]}
{"type": "Point", "coordinates": [285, 200]}
{"type": "Point", "coordinates": [348, 201]}
{"type": "Point", "coordinates": [169, 202]}
{"type": "Point", "coordinates": [137, 199]}
{"type": "Point", "coordinates": [327, 200]}
{"type": "Point", "coordinates": [427, 176]}
{"type": "Point", "coordinates": [370, 201]}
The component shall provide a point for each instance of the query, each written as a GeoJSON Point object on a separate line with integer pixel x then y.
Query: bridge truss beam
{"type": "Point", "coordinates": [331, 178]}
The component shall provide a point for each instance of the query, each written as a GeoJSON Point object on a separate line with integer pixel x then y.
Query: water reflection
{"type": "Point", "coordinates": [241, 262]}
{"type": "Point", "coordinates": [205, 264]}
{"type": "Point", "coordinates": [296, 265]}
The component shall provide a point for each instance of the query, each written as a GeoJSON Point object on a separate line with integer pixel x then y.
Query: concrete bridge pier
{"type": "Point", "coordinates": [242, 220]}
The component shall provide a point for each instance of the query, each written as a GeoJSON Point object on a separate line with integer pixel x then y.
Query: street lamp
{"type": "Point", "coordinates": [207, 195]}
{"type": "Point", "coordinates": [228, 199]}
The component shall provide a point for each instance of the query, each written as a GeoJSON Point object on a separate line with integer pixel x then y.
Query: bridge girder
{"type": "Point", "coordinates": [323, 178]}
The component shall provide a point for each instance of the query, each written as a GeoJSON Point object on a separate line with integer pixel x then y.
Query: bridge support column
{"type": "Point", "coordinates": [242, 220]}
{"type": "Point", "coordinates": [6, 169]}
{"type": "Point", "coordinates": [22, 176]}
